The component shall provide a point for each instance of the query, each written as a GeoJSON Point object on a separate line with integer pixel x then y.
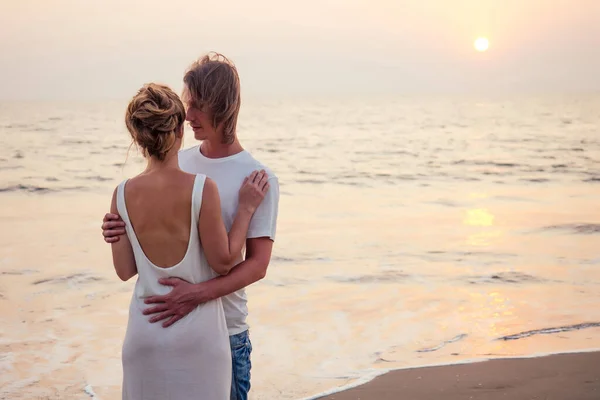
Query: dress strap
{"type": "Point", "coordinates": [197, 195]}
{"type": "Point", "coordinates": [122, 209]}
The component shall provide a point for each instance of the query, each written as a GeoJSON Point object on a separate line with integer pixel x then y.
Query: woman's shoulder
{"type": "Point", "coordinates": [149, 183]}
{"type": "Point", "coordinates": [209, 184]}
{"type": "Point", "coordinates": [119, 187]}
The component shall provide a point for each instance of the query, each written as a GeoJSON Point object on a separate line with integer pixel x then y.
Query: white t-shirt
{"type": "Point", "coordinates": [229, 173]}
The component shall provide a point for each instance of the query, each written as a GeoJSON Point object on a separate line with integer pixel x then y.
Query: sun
{"type": "Point", "coordinates": [482, 44]}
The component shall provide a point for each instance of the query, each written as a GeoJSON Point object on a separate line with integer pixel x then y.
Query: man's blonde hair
{"type": "Point", "coordinates": [212, 82]}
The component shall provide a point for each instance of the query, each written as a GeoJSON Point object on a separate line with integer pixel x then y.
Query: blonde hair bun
{"type": "Point", "coordinates": [153, 118]}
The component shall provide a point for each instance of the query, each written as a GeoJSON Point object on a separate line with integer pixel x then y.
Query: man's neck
{"type": "Point", "coordinates": [220, 150]}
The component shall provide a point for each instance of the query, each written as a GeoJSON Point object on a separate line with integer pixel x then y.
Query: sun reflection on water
{"type": "Point", "coordinates": [478, 217]}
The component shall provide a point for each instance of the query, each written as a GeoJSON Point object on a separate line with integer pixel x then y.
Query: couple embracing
{"type": "Point", "coordinates": [182, 227]}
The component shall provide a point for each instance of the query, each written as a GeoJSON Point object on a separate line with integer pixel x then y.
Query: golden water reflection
{"type": "Point", "coordinates": [479, 217]}
{"type": "Point", "coordinates": [490, 308]}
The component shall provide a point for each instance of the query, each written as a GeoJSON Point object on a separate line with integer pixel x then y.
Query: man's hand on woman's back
{"type": "Point", "coordinates": [112, 227]}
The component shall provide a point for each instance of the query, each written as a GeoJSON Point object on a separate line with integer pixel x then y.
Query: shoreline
{"type": "Point", "coordinates": [497, 372]}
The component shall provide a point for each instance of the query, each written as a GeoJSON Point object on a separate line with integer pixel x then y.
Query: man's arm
{"type": "Point", "coordinates": [186, 296]}
{"type": "Point", "coordinates": [252, 269]}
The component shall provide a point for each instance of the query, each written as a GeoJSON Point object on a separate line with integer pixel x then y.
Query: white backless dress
{"type": "Point", "coordinates": [191, 359]}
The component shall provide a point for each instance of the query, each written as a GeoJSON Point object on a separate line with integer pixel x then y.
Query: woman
{"type": "Point", "coordinates": [191, 359]}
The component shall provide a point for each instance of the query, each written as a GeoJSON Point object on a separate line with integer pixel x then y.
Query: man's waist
{"type": "Point", "coordinates": [236, 310]}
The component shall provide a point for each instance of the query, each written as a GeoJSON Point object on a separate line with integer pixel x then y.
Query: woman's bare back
{"type": "Point", "coordinates": [159, 209]}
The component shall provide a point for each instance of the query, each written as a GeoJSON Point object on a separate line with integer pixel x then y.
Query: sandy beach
{"type": "Point", "coordinates": [573, 376]}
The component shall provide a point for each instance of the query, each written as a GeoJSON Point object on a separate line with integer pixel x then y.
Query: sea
{"type": "Point", "coordinates": [412, 231]}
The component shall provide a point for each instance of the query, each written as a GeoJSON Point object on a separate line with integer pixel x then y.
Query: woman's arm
{"type": "Point", "coordinates": [223, 250]}
{"type": "Point", "coordinates": [122, 252]}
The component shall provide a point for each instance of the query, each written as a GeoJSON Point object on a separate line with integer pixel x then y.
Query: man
{"type": "Point", "coordinates": [212, 96]}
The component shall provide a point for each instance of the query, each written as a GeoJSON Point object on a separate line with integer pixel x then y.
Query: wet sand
{"type": "Point", "coordinates": [559, 377]}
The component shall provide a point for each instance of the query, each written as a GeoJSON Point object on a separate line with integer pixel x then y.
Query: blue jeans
{"type": "Point", "coordinates": [240, 357]}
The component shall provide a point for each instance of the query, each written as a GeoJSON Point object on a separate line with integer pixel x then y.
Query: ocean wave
{"type": "Point", "coordinates": [466, 178]}
{"type": "Point", "coordinates": [37, 189]}
{"type": "Point", "coordinates": [113, 147]}
{"type": "Point", "coordinates": [12, 167]}
{"type": "Point", "coordinates": [287, 282]}
{"type": "Point", "coordinates": [25, 188]}
{"type": "Point", "coordinates": [70, 279]}
{"type": "Point", "coordinates": [312, 181]}
{"type": "Point", "coordinates": [19, 272]}
{"type": "Point", "coordinates": [497, 173]}
{"type": "Point", "coordinates": [532, 169]}
{"type": "Point", "coordinates": [17, 126]}
{"type": "Point", "coordinates": [75, 141]}
{"type": "Point", "coordinates": [585, 228]}
{"type": "Point", "coordinates": [443, 344]}
{"type": "Point", "coordinates": [486, 163]}
{"type": "Point", "coordinates": [386, 277]}
{"type": "Point", "coordinates": [446, 203]}
{"type": "Point", "coordinates": [94, 178]}
{"type": "Point", "coordinates": [506, 277]}
{"type": "Point", "coordinates": [547, 331]}
{"type": "Point", "coordinates": [535, 180]}
{"type": "Point", "coordinates": [400, 153]}
{"type": "Point", "coordinates": [303, 172]}
{"type": "Point", "coordinates": [299, 259]}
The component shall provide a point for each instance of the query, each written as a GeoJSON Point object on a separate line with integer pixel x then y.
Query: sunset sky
{"type": "Point", "coordinates": [70, 49]}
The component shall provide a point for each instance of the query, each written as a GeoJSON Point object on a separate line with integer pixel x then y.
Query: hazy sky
{"type": "Point", "coordinates": [109, 48]}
